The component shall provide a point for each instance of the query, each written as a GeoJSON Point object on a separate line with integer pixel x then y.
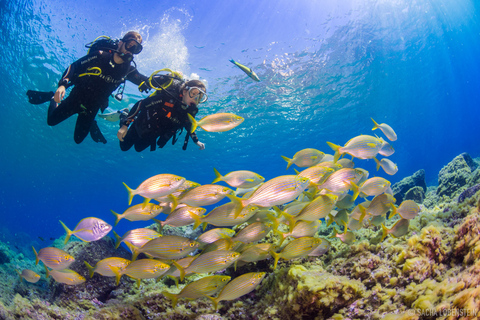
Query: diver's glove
{"type": "Point", "coordinates": [201, 145]}
{"type": "Point", "coordinates": [144, 87]}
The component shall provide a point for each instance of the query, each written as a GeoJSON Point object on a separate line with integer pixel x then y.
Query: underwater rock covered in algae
{"type": "Point", "coordinates": [455, 176]}
{"type": "Point", "coordinates": [416, 180]}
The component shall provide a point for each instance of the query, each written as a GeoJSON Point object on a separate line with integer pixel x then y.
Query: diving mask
{"type": "Point", "coordinates": [132, 45]}
{"type": "Point", "coordinates": [197, 94]}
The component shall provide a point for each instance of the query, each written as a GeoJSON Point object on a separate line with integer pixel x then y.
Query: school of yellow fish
{"type": "Point", "coordinates": [291, 206]}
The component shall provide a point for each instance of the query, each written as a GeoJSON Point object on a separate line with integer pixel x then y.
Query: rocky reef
{"type": "Point", "coordinates": [432, 272]}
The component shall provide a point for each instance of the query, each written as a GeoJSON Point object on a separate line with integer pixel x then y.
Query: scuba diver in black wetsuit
{"type": "Point", "coordinates": [94, 77]}
{"type": "Point", "coordinates": [162, 115]}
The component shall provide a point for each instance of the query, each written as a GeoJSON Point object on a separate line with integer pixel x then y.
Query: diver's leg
{"type": "Point", "coordinates": [84, 122]}
{"type": "Point", "coordinates": [96, 134]}
{"type": "Point", "coordinates": [60, 112]}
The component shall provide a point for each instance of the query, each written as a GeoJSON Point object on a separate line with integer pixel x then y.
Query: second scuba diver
{"type": "Point", "coordinates": [94, 77]}
{"type": "Point", "coordinates": [162, 115]}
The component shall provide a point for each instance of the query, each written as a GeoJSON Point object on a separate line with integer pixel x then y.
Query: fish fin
{"type": "Point", "coordinates": [20, 275]}
{"type": "Point", "coordinates": [394, 211]}
{"type": "Point", "coordinates": [171, 296]}
{"type": "Point", "coordinates": [238, 205]}
{"type": "Point", "coordinates": [118, 217]}
{"type": "Point", "coordinates": [181, 269]}
{"type": "Point", "coordinates": [335, 148]}
{"type": "Point", "coordinates": [377, 162]}
{"type": "Point", "coordinates": [117, 239]}
{"type": "Point", "coordinates": [296, 171]}
{"type": "Point", "coordinates": [135, 252]}
{"type": "Point", "coordinates": [145, 202]}
{"type": "Point", "coordinates": [69, 232]}
{"type": "Point", "coordinates": [233, 61]}
{"type": "Point", "coordinates": [160, 224]}
{"type": "Point", "coordinates": [130, 193]}
{"type": "Point", "coordinates": [331, 218]}
{"type": "Point", "coordinates": [197, 219]}
{"type": "Point", "coordinates": [36, 255]}
{"type": "Point", "coordinates": [204, 226]}
{"type": "Point", "coordinates": [385, 232]}
{"type": "Point", "coordinates": [375, 125]}
{"type": "Point", "coordinates": [275, 256]}
{"type": "Point", "coordinates": [118, 274]}
{"type": "Point", "coordinates": [194, 123]}
{"type": "Point", "coordinates": [363, 211]}
{"type": "Point", "coordinates": [218, 176]}
{"type": "Point", "coordinates": [355, 189]}
{"type": "Point", "coordinates": [138, 283]}
{"type": "Point", "coordinates": [372, 145]}
{"type": "Point", "coordinates": [289, 161]}
{"type": "Point", "coordinates": [46, 271]}
{"type": "Point", "coordinates": [90, 269]}
{"type": "Point", "coordinates": [274, 220]}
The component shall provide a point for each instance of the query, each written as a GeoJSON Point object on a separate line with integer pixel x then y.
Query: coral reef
{"type": "Point", "coordinates": [455, 176]}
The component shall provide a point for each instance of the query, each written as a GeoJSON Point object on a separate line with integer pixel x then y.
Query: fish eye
{"type": "Point", "coordinates": [192, 244]}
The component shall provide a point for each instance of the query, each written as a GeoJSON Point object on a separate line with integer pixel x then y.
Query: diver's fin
{"type": "Point", "coordinates": [96, 134]}
{"type": "Point", "coordinates": [39, 97]}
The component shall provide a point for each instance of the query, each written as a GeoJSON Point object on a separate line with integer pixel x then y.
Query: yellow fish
{"type": "Point", "coordinates": [362, 147]}
{"type": "Point", "coordinates": [156, 186]}
{"type": "Point", "coordinates": [145, 269]}
{"type": "Point", "coordinates": [139, 212]}
{"type": "Point", "coordinates": [386, 129]}
{"type": "Point", "coordinates": [300, 247]}
{"type": "Point", "coordinates": [386, 149]}
{"type": "Point", "coordinates": [374, 187]}
{"type": "Point", "coordinates": [198, 289]}
{"type": "Point", "coordinates": [229, 214]}
{"type": "Point", "coordinates": [408, 209]}
{"type": "Point", "coordinates": [316, 174]}
{"type": "Point", "coordinates": [65, 276]}
{"type": "Point", "coordinates": [315, 210]}
{"type": "Point", "coordinates": [28, 275]}
{"type": "Point", "coordinates": [205, 195]}
{"type": "Point", "coordinates": [213, 235]}
{"type": "Point", "coordinates": [300, 229]}
{"type": "Point", "coordinates": [246, 69]}
{"type": "Point", "coordinates": [387, 165]}
{"type": "Point", "coordinates": [109, 267]}
{"type": "Point", "coordinates": [305, 158]}
{"type": "Point", "coordinates": [239, 179]}
{"type": "Point", "coordinates": [399, 229]}
{"type": "Point", "coordinates": [167, 247]}
{"type": "Point", "coordinates": [347, 237]}
{"type": "Point", "coordinates": [183, 216]}
{"type": "Point", "coordinates": [88, 229]}
{"type": "Point", "coordinates": [212, 261]}
{"type": "Point", "coordinates": [343, 180]}
{"type": "Point", "coordinates": [253, 232]}
{"type": "Point", "coordinates": [218, 122]}
{"type": "Point", "coordinates": [53, 258]}
{"type": "Point", "coordinates": [277, 191]}
{"type": "Point", "coordinates": [380, 205]}
{"type": "Point", "coordinates": [136, 237]}
{"type": "Point", "coordinates": [238, 287]}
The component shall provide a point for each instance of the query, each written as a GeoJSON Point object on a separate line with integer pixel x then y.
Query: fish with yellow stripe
{"type": "Point", "coordinates": [53, 258]}
{"type": "Point", "coordinates": [362, 147]}
{"type": "Point", "coordinates": [167, 247]}
{"type": "Point", "coordinates": [305, 158]}
{"type": "Point", "coordinates": [218, 122]}
{"type": "Point", "coordinates": [239, 179]}
{"type": "Point", "coordinates": [157, 186]}
{"type": "Point", "coordinates": [246, 69]}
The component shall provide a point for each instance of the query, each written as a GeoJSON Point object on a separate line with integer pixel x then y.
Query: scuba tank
{"type": "Point", "coordinates": [102, 43]}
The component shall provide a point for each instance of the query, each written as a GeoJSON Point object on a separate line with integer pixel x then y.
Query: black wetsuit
{"type": "Point", "coordinates": [90, 92]}
{"type": "Point", "coordinates": [160, 117]}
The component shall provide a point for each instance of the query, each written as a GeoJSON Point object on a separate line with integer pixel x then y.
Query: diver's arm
{"type": "Point", "coordinates": [136, 77]}
{"type": "Point", "coordinates": [194, 137]}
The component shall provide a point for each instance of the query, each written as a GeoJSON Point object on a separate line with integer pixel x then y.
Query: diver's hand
{"type": "Point", "coordinates": [122, 132]}
{"type": "Point", "coordinates": [201, 145]}
{"type": "Point", "coordinates": [59, 94]}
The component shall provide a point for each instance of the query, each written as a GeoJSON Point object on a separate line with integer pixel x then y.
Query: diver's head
{"type": "Point", "coordinates": [194, 92]}
{"type": "Point", "coordinates": [130, 44]}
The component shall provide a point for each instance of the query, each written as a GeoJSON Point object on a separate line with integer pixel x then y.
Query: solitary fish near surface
{"type": "Point", "coordinates": [386, 129]}
{"type": "Point", "coordinates": [246, 69]}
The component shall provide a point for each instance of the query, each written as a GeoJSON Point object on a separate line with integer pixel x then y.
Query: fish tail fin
{"type": "Point", "coordinates": [197, 219]}
{"type": "Point", "coordinates": [355, 189]}
{"type": "Point", "coordinates": [238, 204]}
{"type": "Point", "coordinates": [181, 269]}
{"type": "Point", "coordinates": [130, 193]}
{"type": "Point", "coordinates": [135, 252]}
{"type": "Point", "coordinates": [204, 226]}
{"type": "Point", "coordinates": [275, 256]}
{"type": "Point", "coordinates": [91, 270]}
{"type": "Point", "coordinates": [377, 162]}
{"type": "Point", "coordinates": [47, 273]}
{"type": "Point", "coordinates": [36, 255]}
{"type": "Point", "coordinates": [69, 232]}
{"type": "Point", "coordinates": [118, 217]}
{"type": "Point", "coordinates": [289, 161]}
{"type": "Point", "coordinates": [218, 176]}
{"type": "Point", "coordinates": [363, 211]}
{"type": "Point", "coordinates": [335, 148]}
{"type": "Point", "coordinates": [291, 220]}
{"type": "Point", "coordinates": [174, 279]}
{"type": "Point", "coordinates": [233, 61]}
{"type": "Point", "coordinates": [145, 202]}
{"type": "Point", "coordinates": [117, 240]}
{"type": "Point", "coordinates": [215, 301]}
{"type": "Point", "coordinates": [385, 232]}
{"type": "Point", "coordinates": [375, 125]}
{"type": "Point", "coordinates": [194, 123]}
{"type": "Point", "coordinates": [394, 211]}
{"type": "Point", "coordinates": [138, 283]}
{"type": "Point", "coordinates": [160, 224]}
{"type": "Point", "coordinates": [118, 274]}
{"type": "Point", "coordinates": [274, 220]}
{"type": "Point", "coordinates": [330, 219]}
{"type": "Point", "coordinates": [20, 275]}
{"type": "Point", "coordinates": [174, 201]}
{"type": "Point", "coordinates": [172, 297]}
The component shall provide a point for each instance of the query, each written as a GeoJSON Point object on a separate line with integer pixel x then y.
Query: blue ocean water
{"type": "Point", "coordinates": [326, 68]}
